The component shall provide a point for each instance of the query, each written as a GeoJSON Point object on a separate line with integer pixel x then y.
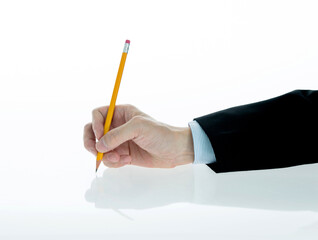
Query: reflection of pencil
{"type": "Point", "coordinates": [111, 108]}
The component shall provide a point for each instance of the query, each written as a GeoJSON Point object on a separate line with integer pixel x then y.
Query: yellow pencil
{"type": "Point", "coordinates": [111, 108]}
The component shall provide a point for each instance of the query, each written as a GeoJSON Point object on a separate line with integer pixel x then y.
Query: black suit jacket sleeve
{"type": "Point", "coordinates": [279, 132]}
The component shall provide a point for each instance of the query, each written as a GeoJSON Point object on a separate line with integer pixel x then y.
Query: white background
{"type": "Point", "coordinates": [59, 60]}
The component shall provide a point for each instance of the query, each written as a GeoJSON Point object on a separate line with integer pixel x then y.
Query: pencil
{"type": "Point", "coordinates": [111, 108]}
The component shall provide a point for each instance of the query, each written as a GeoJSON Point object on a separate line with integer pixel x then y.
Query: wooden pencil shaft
{"type": "Point", "coordinates": [111, 108]}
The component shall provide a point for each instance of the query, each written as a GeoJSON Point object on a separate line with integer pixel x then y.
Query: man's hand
{"type": "Point", "coordinates": [136, 138]}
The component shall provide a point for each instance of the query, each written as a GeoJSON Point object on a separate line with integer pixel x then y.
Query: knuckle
{"type": "Point", "coordinates": [131, 109]}
{"type": "Point", "coordinates": [129, 106]}
{"type": "Point", "coordinates": [138, 120]}
{"type": "Point", "coordinates": [87, 126]}
{"type": "Point", "coordinates": [94, 111]}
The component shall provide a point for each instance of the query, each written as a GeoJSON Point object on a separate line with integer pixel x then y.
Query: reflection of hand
{"type": "Point", "coordinates": [136, 138]}
{"type": "Point", "coordinates": [134, 187]}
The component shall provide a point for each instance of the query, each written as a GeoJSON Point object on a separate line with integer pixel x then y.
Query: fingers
{"type": "Point", "coordinates": [98, 120]}
{"type": "Point", "coordinates": [114, 160]}
{"type": "Point", "coordinates": [120, 135]}
{"type": "Point", "coordinates": [89, 138]}
{"type": "Point", "coordinates": [95, 130]}
{"type": "Point", "coordinates": [122, 114]}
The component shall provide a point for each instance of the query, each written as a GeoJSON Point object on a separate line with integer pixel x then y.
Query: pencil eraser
{"type": "Point", "coordinates": [128, 41]}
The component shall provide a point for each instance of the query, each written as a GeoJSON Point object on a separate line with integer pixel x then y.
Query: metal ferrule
{"type": "Point", "coordinates": [126, 47]}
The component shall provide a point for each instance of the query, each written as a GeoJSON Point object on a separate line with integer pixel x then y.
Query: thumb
{"type": "Point", "coordinates": [119, 135]}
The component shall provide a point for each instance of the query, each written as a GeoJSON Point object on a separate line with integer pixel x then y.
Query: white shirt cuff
{"type": "Point", "coordinates": [203, 150]}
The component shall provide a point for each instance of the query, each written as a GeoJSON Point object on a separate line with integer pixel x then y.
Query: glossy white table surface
{"type": "Point", "coordinates": [59, 60]}
{"type": "Point", "coordinates": [49, 190]}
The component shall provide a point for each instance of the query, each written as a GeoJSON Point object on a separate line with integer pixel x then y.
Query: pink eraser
{"type": "Point", "coordinates": [128, 41]}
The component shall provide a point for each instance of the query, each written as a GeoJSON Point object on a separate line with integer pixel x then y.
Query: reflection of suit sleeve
{"type": "Point", "coordinates": [279, 132]}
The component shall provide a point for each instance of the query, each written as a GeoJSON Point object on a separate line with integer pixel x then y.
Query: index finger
{"type": "Point", "coordinates": [98, 120]}
{"type": "Point", "coordinates": [89, 139]}
{"type": "Point", "coordinates": [119, 118]}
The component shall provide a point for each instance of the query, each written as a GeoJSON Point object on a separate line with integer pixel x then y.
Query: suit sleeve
{"type": "Point", "coordinates": [279, 132]}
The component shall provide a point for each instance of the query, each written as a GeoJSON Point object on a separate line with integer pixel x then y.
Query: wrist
{"type": "Point", "coordinates": [185, 149]}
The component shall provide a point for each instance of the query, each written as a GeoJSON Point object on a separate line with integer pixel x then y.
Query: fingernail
{"type": "Point", "coordinates": [100, 146]}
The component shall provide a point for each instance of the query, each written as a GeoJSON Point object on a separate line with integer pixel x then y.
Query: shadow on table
{"type": "Point", "coordinates": [131, 187]}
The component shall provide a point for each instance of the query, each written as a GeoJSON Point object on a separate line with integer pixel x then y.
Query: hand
{"type": "Point", "coordinates": [136, 138]}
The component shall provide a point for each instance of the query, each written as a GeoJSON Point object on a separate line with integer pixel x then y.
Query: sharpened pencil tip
{"type": "Point", "coordinates": [97, 164]}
